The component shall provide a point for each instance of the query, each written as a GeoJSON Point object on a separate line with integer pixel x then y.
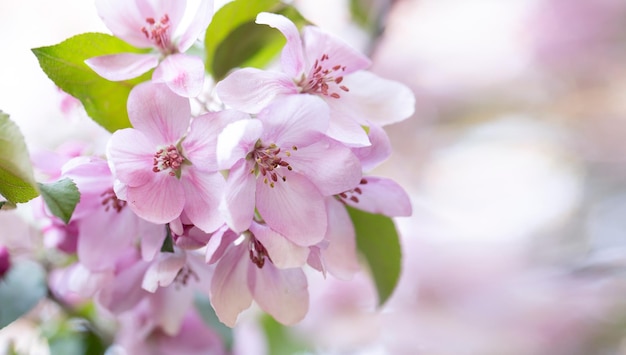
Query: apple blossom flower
{"type": "Point", "coordinates": [282, 166]}
{"type": "Point", "coordinates": [260, 265]}
{"type": "Point", "coordinates": [5, 261]}
{"type": "Point", "coordinates": [161, 163]}
{"type": "Point", "coordinates": [157, 25]}
{"type": "Point", "coordinates": [320, 64]}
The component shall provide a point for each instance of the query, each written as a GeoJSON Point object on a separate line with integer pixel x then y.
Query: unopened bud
{"type": "Point", "coordinates": [5, 261]}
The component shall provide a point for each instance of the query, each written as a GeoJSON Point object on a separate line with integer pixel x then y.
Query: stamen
{"type": "Point", "coordinates": [184, 275]}
{"type": "Point", "coordinates": [322, 80]}
{"type": "Point", "coordinates": [168, 159]}
{"type": "Point", "coordinates": [352, 195]}
{"type": "Point", "coordinates": [268, 162]}
{"type": "Point", "coordinates": [257, 252]}
{"type": "Point", "coordinates": [110, 201]}
{"type": "Point", "coordinates": [158, 32]}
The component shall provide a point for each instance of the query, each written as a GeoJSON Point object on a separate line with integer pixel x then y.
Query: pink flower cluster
{"type": "Point", "coordinates": [238, 203]}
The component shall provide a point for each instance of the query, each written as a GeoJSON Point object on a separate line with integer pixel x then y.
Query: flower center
{"type": "Point", "coordinates": [110, 201]}
{"type": "Point", "coordinates": [268, 162]}
{"type": "Point", "coordinates": [183, 276]}
{"type": "Point", "coordinates": [168, 159]}
{"type": "Point", "coordinates": [158, 31]}
{"type": "Point", "coordinates": [352, 195]}
{"type": "Point", "coordinates": [258, 253]}
{"type": "Point", "coordinates": [323, 79]}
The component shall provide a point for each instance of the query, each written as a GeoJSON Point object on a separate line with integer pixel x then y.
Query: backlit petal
{"type": "Point", "coordinates": [283, 293]}
{"type": "Point", "coordinates": [282, 251]}
{"type": "Point", "coordinates": [251, 89]}
{"type": "Point", "coordinates": [292, 57]}
{"type": "Point", "coordinates": [294, 208]}
{"type": "Point", "coordinates": [230, 294]}
{"type": "Point", "coordinates": [159, 113]}
{"type": "Point", "coordinates": [203, 193]}
{"type": "Point", "coordinates": [123, 66]}
{"type": "Point", "coordinates": [160, 201]}
{"type": "Point", "coordinates": [183, 74]}
{"type": "Point", "coordinates": [237, 206]}
{"type": "Point", "coordinates": [375, 99]}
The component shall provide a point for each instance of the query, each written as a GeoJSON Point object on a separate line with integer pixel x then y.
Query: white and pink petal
{"type": "Point", "coordinates": [183, 74]}
{"type": "Point", "coordinates": [122, 66]}
{"type": "Point", "coordinates": [251, 89]}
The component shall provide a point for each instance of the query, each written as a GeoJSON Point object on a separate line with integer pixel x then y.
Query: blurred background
{"type": "Point", "coordinates": [514, 161]}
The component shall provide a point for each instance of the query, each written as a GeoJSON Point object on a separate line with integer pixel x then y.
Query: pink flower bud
{"type": "Point", "coordinates": [5, 262]}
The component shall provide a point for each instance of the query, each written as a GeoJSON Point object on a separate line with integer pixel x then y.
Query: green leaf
{"type": "Point", "coordinates": [104, 100]}
{"type": "Point", "coordinates": [61, 198]}
{"type": "Point", "coordinates": [377, 239]}
{"type": "Point", "coordinates": [234, 40]}
{"type": "Point", "coordinates": [17, 183]}
{"type": "Point", "coordinates": [203, 305]}
{"type": "Point", "coordinates": [280, 340]}
{"type": "Point", "coordinates": [20, 290]}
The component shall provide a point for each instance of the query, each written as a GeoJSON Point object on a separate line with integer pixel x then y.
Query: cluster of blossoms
{"type": "Point", "coordinates": [235, 203]}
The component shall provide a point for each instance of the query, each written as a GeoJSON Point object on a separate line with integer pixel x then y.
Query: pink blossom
{"type": "Point", "coordinates": [320, 64]}
{"type": "Point", "coordinates": [282, 166]}
{"type": "Point", "coordinates": [157, 25]}
{"type": "Point", "coordinates": [259, 265]}
{"type": "Point", "coordinates": [161, 163]}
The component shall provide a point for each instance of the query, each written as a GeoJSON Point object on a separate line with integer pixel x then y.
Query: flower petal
{"type": "Point", "coordinates": [219, 243]}
{"type": "Point", "coordinates": [183, 74]}
{"type": "Point", "coordinates": [329, 165]}
{"type": "Point", "coordinates": [203, 193]}
{"type": "Point", "coordinates": [318, 43]}
{"type": "Point", "coordinates": [237, 140]}
{"type": "Point", "coordinates": [237, 206]}
{"type": "Point", "coordinates": [163, 271]}
{"type": "Point", "coordinates": [283, 293]}
{"type": "Point", "coordinates": [159, 113]}
{"type": "Point", "coordinates": [283, 253]}
{"type": "Point", "coordinates": [340, 256]}
{"type": "Point", "coordinates": [130, 157]}
{"type": "Point", "coordinates": [294, 120]}
{"type": "Point", "coordinates": [230, 294]}
{"type": "Point", "coordinates": [200, 145]}
{"type": "Point", "coordinates": [294, 208]}
{"type": "Point", "coordinates": [122, 66]}
{"type": "Point", "coordinates": [105, 236]}
{"type": "Point", "coordinates": [381, 196]}
{"type": "Point", "coordinates": [345, 128]}
{"type": "Point", "coordinates": [160, 201]}
{"type": "Point", "coordinates": [377, 152]}
{"type": "Point", "coordinates": [200, 22]}
{"type": "Point", "coordinates": [125, 20]}
{"type": "Point", "coordinates": [373, 99]}
{"type": "Point", "coordinates": [292, 56]}
{"type": "Point", "coordinates": [251, 89]}
{"type": "Point", "coordinates": [152, 237]}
